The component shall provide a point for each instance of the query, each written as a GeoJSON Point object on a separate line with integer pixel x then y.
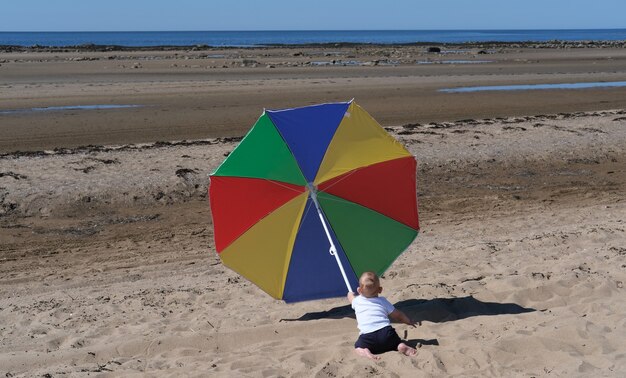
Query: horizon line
{"type": "Point", "coordinates": [295, 30]}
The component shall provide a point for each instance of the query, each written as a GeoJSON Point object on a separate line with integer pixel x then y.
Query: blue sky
{"type": "Point", "coordinates": [131, 15]}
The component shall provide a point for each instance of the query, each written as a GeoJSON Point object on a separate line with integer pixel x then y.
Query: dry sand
{"type": "Point", "coordinates": [107, 263]}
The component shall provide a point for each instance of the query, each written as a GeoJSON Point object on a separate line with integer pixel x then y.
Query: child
{"type": "Point", "coordinates": [372, 316]}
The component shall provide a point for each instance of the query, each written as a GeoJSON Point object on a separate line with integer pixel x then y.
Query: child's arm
{"type": "Point", "coordinates": [350, 296]}
{"type": "Point", "coordinates": [400, 317]}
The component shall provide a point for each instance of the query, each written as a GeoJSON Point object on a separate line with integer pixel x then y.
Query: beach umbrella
{"type": "Point", "coordinates": [311, 198]}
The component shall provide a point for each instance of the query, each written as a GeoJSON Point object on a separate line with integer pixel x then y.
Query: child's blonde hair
{"type": "Point", "coordinates": [369, 283]}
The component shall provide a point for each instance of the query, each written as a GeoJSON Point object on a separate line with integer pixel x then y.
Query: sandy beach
{"type": "Point", "coordinates": [186, 94]}
{"type": "Point", "coordinates": [107, 259]}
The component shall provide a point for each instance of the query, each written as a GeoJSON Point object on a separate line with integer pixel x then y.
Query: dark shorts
{"type": "Point", "coordinates": [384, 340]}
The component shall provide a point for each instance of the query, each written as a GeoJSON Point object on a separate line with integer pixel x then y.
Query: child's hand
{"type": "Point", "coordinates": [400, 317]}
{"type": "Point", "coordinates": [414, 323]}
{"type": "Point", "coordinates": [350, 296]}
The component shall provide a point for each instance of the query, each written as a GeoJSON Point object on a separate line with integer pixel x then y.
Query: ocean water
{"type": "Point", "coordinates": [260, 38]}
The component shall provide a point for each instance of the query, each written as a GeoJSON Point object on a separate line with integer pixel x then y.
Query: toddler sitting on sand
{"type": "Point", "coordinates": [372, 316]}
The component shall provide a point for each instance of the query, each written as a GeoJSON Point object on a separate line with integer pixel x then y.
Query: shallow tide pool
{"type": "Point", "coordinates": [526, 87]}
{"type": "Point", "coordinates": [70, 107]}
{"type": "Point", "coordinates": [453, 61]}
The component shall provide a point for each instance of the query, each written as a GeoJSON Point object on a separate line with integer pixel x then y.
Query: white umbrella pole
{"type": "Point", "coordinates": [333, 249]}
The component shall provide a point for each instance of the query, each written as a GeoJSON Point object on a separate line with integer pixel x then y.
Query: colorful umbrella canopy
{"type": "Point", "coordinates": [311, 198]}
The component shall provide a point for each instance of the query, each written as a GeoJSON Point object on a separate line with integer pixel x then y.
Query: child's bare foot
{"type": "Point", "coordinates": [364, 352]}
{"type": "Point", "coordinates": [406, 350]}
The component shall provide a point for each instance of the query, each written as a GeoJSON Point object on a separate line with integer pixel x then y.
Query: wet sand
{"type": "Point", "coordinates": [206, 94]}
{"type": "Point", "coordinates": [107, 262]}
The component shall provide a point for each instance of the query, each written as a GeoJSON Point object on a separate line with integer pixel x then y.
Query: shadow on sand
{"type": "Point", "coordinates": [436, 310]}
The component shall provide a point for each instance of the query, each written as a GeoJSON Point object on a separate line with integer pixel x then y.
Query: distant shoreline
{"type": "Point", "coordinates": [115, 41]}
{"type": "Point", "coordinates": [90, 47]}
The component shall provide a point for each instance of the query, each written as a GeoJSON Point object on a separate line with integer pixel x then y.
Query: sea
{"type": "Point", "coordinates": [294, 37]}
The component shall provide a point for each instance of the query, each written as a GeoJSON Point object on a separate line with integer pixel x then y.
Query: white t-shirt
{"type": "Point", "coordinates": [372, 314]}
